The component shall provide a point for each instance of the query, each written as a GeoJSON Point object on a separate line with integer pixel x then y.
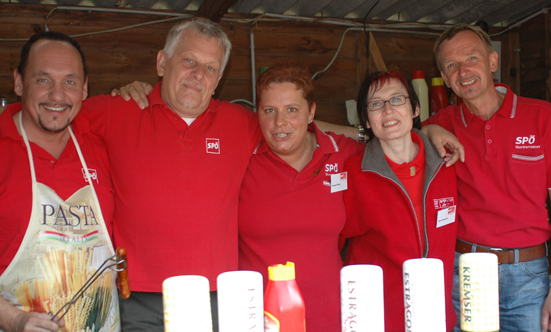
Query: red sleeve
{"type": "Point", "coordinates": [347, 146]}
{"type": "Point", "coordinates": [96, 111]}
{"type": "Point", "coordinates": [442, 118]}
{"type": "Point", "coordinates": [254, 129]}
{"type": "Point", "coordinates": [355, 209]}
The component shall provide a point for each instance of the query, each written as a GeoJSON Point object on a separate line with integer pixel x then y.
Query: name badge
{"type": "Point", "coordinates": [339, 182]}
{"type": "Point", "coordinates": [445, 216]}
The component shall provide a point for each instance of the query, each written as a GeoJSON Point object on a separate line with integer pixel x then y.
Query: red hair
{"type": "Point", "coordinates": [295, 73]}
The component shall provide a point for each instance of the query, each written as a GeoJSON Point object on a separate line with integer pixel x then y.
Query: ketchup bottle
{"type": "Point", "coordinates": [438, 95]}
{"type": "Point", "coordinates": [283, 303]}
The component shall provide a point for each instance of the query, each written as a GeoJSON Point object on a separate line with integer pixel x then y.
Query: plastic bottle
{"type": "Point", "coordinates": [421, 88]}
{"type": "Point", "coordinates": [455, 99]}
{"type": "Point", "coordinates": [438, 95]}
{"type": "Point", "coordinates": [283, 302]}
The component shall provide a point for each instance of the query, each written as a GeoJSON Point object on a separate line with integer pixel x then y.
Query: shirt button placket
{"type": "Point", "coordinates": [489, 135]}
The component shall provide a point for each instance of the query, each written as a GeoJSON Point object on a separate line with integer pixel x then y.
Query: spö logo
{"type": "Point", "coordinates": [332, 167]}
{"type": "Point", "coordinates": [523, 140]}
{"type": "Point", "coordinates": [93, 174]}
{"type": "Point", "coordinates": [213, 145]}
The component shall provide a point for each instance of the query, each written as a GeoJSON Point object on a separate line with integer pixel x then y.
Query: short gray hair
{"type": "Point", "coordinates": [205, 28]}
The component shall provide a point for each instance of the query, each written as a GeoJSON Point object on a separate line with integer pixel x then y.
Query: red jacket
{"type": "Point", "coordinates": [384, 229]}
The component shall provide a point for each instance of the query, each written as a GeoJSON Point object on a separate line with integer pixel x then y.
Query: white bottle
{"type": "Point", "coordinates": [421, 88]}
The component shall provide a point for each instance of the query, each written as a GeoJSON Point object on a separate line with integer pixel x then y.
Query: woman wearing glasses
{"type": "Point", "coordinates": [396, 190]}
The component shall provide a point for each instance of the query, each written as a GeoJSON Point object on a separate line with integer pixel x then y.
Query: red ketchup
{"type": "Point", "coordinates": [438, 95]}
{"type": "Point", "coordinates": [283, 303]}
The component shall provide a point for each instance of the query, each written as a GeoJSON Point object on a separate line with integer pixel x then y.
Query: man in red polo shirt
{"type": "Point", "coordinates": [177, 167]}
{"type": "Point", "coordinates": [504, 182]}
{"type": "Point", "coordinates": [54, 176]}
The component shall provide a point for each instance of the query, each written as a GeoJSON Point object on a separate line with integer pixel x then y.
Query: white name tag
{"type": "Point", "coordinates": [445, 216]}
{"type": "Point", "coordinates": [339, 182]}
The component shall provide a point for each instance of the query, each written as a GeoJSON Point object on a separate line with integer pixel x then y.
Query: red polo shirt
{"type": "Point", "coordinates": [504, 182]}
{"type": "Point", "coordinates": [286, 215]}
{"type": "Point", "coordinates": [176, 186]}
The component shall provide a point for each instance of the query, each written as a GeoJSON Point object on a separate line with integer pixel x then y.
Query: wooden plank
{"type": "Point", "coordinates": [532, 59]}
{"type": "Point", "coordinates": [548, 57]}
{"type": "Point", "coordinates": [332, 113]}
{"type": "Point", "coordinates": [362, 64]}
{"type": "Point", "coordinates": [326, 91]}
{"type": "Point", "coordinates": [214, 9]}
{"type": "Point", "coordinates": [322, 46]}
{"type": "Point", "coordinates": [375, 55]}
{"type": "Point", "coordinates": [6, 87]}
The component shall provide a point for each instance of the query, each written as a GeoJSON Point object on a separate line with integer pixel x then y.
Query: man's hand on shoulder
{"type": "Point", "coordinates": [136, 90]}
{"type": "Point", "coordinates": [442, 139]}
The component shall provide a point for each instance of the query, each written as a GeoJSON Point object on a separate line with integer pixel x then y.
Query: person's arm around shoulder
{"type": "Point", "coordinates": [442, 139]}
{"type": "Point", "coordinates": [136, 90]}
{"type": "Point", "coordinates": [347, 131]}
{"type": "Point", "coordinates": [15, 320]}
{"type": "Point", "coordinates": [439, 137]}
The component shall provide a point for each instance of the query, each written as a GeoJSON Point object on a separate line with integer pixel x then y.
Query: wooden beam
{"type": "Point", "coordinates": [214, 9]}
{"type": "Point", "coordinates": [510, 61]}
{"type": "Point", "coordinates": [548, 58]}
{"type": "Point", "coordinates": [377, 63]}
{"type": "Point", "coordinates": [362, 58]}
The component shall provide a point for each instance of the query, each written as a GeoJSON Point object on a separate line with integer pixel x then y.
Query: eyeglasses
{"type": "Point", "coordinates": [394, 101]}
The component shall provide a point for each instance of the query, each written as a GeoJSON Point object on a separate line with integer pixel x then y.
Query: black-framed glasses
{"type": "Point", "coordinates": [393, 101]}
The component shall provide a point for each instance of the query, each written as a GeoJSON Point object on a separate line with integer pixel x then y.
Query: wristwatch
{"type": "Point", "coordinates": [361, 134]}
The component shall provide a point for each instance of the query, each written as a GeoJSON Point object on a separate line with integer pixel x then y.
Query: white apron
{"type": "Point", "coordinates": [65, 243]}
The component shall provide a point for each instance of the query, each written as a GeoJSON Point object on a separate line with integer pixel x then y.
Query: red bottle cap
{"type": "Point", "coordinates": [418, 74]}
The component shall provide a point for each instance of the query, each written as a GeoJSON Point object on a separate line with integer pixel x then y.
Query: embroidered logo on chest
{"type": "Point", "coordinates": [331, 169]}
{"type": "Point", "coordinates": [526, 142]}
{"type": "Point", "coordinates": [93, 174]}
{"type": "Point", "coordinates": [213, 145]}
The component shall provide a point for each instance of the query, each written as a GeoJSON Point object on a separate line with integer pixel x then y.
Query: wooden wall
{"type": "Point", "coordinates": [534, 57]}
{"type": "Point", "coordinates": [116, 58]}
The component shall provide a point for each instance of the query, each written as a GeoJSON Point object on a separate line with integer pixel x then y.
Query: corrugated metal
{"type": "Point", "coordinates": [494, 12]}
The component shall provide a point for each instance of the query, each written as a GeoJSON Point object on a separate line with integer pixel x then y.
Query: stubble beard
{"type": "Point", "coordinates": [53, 129]}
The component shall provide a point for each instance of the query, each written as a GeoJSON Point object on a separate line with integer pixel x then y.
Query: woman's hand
{"type": "Point", "coordinates": [136, 90]}
{"type": "Point", "coordinates": [442, 139]}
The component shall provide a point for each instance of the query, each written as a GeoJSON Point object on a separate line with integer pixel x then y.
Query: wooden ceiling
{"type": "Point", "coordinates": [495, 12]}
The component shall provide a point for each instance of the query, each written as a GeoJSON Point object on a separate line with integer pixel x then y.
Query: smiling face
{"type": "Point", "coordinates": [53, 87]}
{"type": "Point", "coordinates": [191, 74]}
{"type": "Point", "coordinates": [391, 122]}
{"type": "Point", "coordinates": [466, 66]}
{"type": "Point", "coordinates": [284, 116]}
